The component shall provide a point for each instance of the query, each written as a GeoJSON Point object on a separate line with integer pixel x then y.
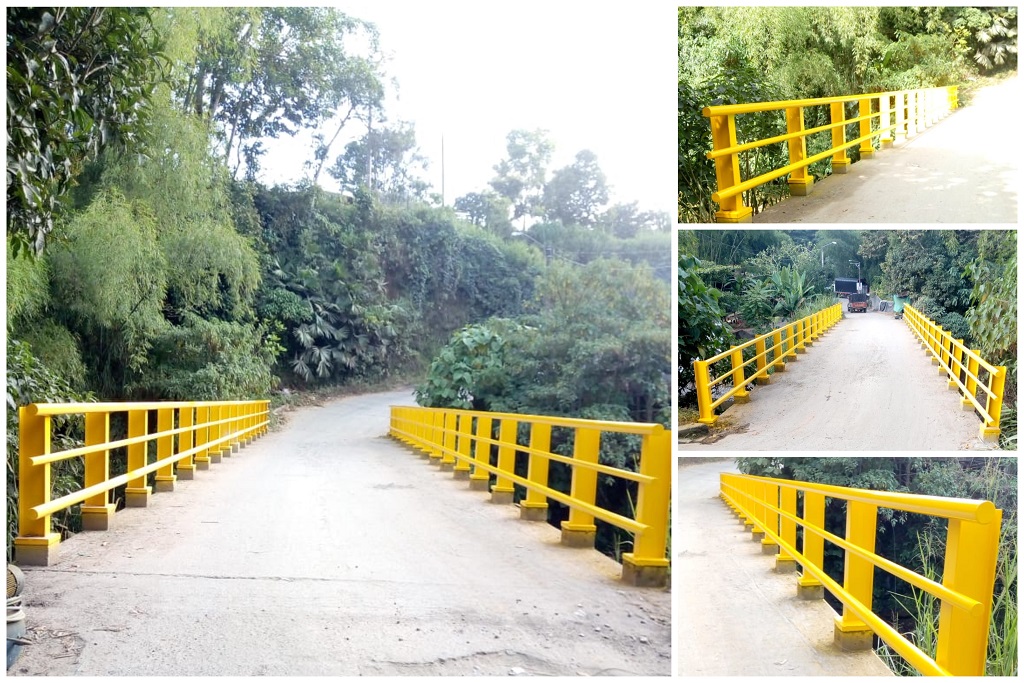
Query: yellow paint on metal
{"type": "Point", "coordinates": [965, 592]}
{"type": "Point", "coordinates": [955, 360]}
{"type": "Point", "coordinates": [240, 419]}
{"type": "Point", "coordinates": [886, 115]}
{"type": "Point", "coordinates": [653, 479]}
{"type": "Point", "coordinates": [781, 344]}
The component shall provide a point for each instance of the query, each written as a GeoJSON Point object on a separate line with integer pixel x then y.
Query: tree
{"type": "Point", "coordinates": [702, 329]}
{"type": "Point", "coordinates": [576, 193]}
{"type": "Point", "coordinates": [626, 221]}
{"type": "Point", "coordinates": [487, 209]}
{"type": "Point", "coordinates": [79, 80]}
{"type": "Point", "coordinates": [522, 176]}
{"type": "Point", "coordinates": [385, 160]}
{"type": "Point", "coordinates": [263, 72]}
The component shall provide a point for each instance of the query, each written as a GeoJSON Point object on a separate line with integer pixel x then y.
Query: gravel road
{"type": "Point", "coordinates": [865, 386]}
{"type": "Point", "coordinates": [328, 549]}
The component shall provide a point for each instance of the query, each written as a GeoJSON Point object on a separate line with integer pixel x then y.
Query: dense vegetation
{"type": "Point", "coordinates": [756, 54]}
{"type": "Point", "coordinates": [916, 541]}
{"type": "Point", "coordinates": [146, 262]}
{"type": "Point", "coordinates": [966, 280]}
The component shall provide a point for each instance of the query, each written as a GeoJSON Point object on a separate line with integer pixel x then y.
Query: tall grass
{"type": "Point", "coordinates": [924, 608]}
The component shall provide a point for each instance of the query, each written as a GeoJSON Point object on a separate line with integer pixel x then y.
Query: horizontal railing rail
{"type": "Point", "coordinates": [189, 436]}
{"type": "Point", "coordinates": [773, 509]}
{"type": "Point", "coordinates": [463, 441]}
{"type": "Point", "coordinates": [888, 116]}
{"type": "Point", "coordinates": [772, 351]}
{"type": "Point", "coordinates": [979, 383]}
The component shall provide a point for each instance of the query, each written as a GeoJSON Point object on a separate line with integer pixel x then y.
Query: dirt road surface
{"type": "Point", "coordinates": [736, 616]}
{"type": "Point", "coordinates": [866, 385]}
{"type": "Point", "coordinates": [964, 169]}
{"type": "Point", "coordinates": [328, 549]}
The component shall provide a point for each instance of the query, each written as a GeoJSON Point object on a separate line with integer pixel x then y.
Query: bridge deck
{"type": "Point", "coordinates": [736, 616]}
{"type": "Point", "coordinates": [964, 169]}
{"type": "Point", "coordinates": [865, 385]}
{"type": "Point", "coordinates": [327, 549]}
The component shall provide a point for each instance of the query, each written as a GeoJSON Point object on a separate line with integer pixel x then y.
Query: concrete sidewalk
{"type": "Point", "coordinates": [736, 616]}
{"type": "Point", "coordinates": [964, 169]}
{"type": "Point", "coordinates": [328, 549]}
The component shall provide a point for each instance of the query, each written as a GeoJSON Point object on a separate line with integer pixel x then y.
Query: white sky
{"type": "Point", "coordinates": [596, 75]}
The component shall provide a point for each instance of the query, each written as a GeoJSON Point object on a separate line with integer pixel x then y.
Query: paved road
{"type": "Point", "coordinates": [866, 385]}
{"type": "Point", "coordinates": [328, 549]}
{"type": "Point", "coordinates": [736, 616]}
{"type": "Point", "coordinates": [964, 169]}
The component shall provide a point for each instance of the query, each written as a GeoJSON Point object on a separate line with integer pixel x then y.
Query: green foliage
{"type": "Point", "coordinates": [702, 329]}
{"type": "Point", "coordinates": [79, 80]}
{"type": "Point", "coordinates": [110, 278]}
{"type": "Point", "coordinates": [56, 349]}
{"type": "Point", "coordinates": [208, 360]}
{"type": "Point", "coordinates": [469, 369]}
{"type": "Point", "coordinates": [28, 285]}
{"type": "Point", "coordinates": [576, 193]}
{"type": "Point", "coordinates": [521, 177]}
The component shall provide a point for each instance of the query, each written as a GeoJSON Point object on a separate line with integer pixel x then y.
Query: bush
{"type": "Point", "coordinates": [956, 325]}
{"type": "Point", "coordinates": [929, 307]}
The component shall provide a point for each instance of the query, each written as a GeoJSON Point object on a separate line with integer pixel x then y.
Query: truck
{"type": "Point", "coordinates": [845, 286]}
{"type": "Point", "coordinates": [857, 302]}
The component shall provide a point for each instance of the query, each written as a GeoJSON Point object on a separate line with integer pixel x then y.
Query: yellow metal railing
{"type": "Point", "coordinates": [463, 441]}
{"type": "Point", "coordinates": [781, 344]}
{"type": "Point", "coordinates": [772, 509]}
{"type": "Point", "coordinates": [188, 436]}
{"type": "Point", "coordinates": [980, 383]}
{"type": "Point", "coordinates": [890, 115]}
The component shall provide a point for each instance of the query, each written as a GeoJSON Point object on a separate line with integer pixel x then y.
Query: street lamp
{"type": "Point", "coordinates": [823, 252]}
{"type": "Point", "coordinates": [856, 263]}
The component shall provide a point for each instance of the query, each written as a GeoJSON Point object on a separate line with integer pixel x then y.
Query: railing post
{"type": "Point", "coordinates": [35, 544]}
{"type": "Point", "coordinates": [784, 561]}
{"type": "Point", "coordinates": [136, 493]}
{"type": "Point", "coordinates": [800, 180]}
{"type": "Point", "coordinates": [234, 428]}
{"type": "Point", "coordinates": [480, 478]}
{"type": "Point", "coordinates": [994, 406]}
{"type": "Point", "coordinates": [912, 113]}
{"type": "Point", "coordinates": [702, 382]}
{"type": "Point", "coordinates": [771, 518]}
{"type": "Point", "coordinates": [840, 161]}
{"type": "Point", "coordinates": [579, 530]}
{"type": "Point", "coordinates": [451, 422]}
{"type": "Point", "coordinates": [885, 120]}
{"type": "Point", "coordinates": [762, 361]}
{"type": "Point", "coordinates": [186, 468]}
{"type": "Point", "coordinates": [972, 550]}
{"type": "Point", "coordinates": [647, 564]}
{"type": "Point", "coordinates": [790, 342]}
{"type": "Point", "coordinates": [202, 433]}
{"type": "Point", "coordinates": [727, 171]}
{"type": "Point", "coordinates": [808, 587]}
{"type": "Point", "coordinates": [97, 510]}
{"type": "Point", "coordinates": [164, 480]}
{"type": "Point", "coordinates": [866, 149]}
{"type": "Point", "coordinates": [535, 506]}
{"type": "Point", "coordinates": [972, 380]}
{"type": "Point", "coordinates": [956, 364]}
{"type": "Point", "coordinates": [858, 576]}
{"type": "Point", "coordinates": [779, 355]}
{"type": "Point", "coordinates": [503, 491]}
{"type": "Point", "coordinates": [437, 422]}
{"type": "Point", "coordinates": [461, 469]}
{"type": "Point", "coordinates": [216, 432]}
{"type": "Point", "coordinates": [739, 381]}
{"type": "Point", "coordinates": [901, 116]}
